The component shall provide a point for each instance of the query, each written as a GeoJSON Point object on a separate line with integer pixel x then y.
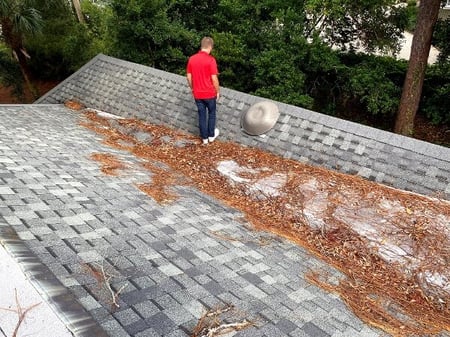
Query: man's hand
{"type": "Point", "coordinates": [215, 81]}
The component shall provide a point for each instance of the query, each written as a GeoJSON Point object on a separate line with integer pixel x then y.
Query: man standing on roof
{"type": "Point", "coordinates": [202, 76]}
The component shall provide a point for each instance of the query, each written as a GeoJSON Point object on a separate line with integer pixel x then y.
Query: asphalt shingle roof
{"type": "Point", "coordinates": [133, 90]}
{"type": "Point", "coordinates": [58, 211]}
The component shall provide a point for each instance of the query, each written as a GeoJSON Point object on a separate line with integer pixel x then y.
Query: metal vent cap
{"type": "Point", "coordinates": [260, 118]}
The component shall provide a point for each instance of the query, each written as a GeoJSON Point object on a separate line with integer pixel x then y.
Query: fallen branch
{"type": "Point", "coordinates": [211, 323]}
{"type": "Point", "coordinates": [103, 279]}
{"type": "Point", "coordinates": [226, 328]}
{"type": "Point", "coordinates": [20, 312]}
{"type": "Point", "coordinates": [114, 294]}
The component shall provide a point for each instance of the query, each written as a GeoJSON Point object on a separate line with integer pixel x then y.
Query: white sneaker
{"type": "Point", "coordinates": [216, 134]}
{"type": "Point", "coordinates": [205, 141]}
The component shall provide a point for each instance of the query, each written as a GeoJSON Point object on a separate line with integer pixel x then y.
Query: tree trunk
{"type": "Point", "coordinates": [78, 12]}
{"type": "Point", "coordinates": [14, 41]}
{"type": "Point", "coordinates": [420, 49]}
{"type": "Point", "coordinates": [19, 54]}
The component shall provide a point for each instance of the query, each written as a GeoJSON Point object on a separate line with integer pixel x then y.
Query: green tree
{"type": "Point", "coordinates": [278, 77]}
{"type": "Point", "coordinates": [97, 17]}
{"type": "Point", "coordinates": [198, 14]}
{"type": "Point", "coordinates": [369, 83]}
{"type": "Point", "coordinates": [322, 66]}
{"type": "Point", "coordinates": [10, 73]}
{"type": "Point", "coordinates": [441, 38]}
{"type": "Point", "coordinates": [78, 11]}
{"type": "Point", "coordinates": [19, 19]}
{"type": "Point", "coordinates": [347, 24]}
{"type": "Point", "coordinates": [143, 33]}
{"type": "Point", "coordinates": [234, 65]}
{"type": "Point", "coordinates": [435, 94]}
{"type": "Point", "coordinates": [65, 44]}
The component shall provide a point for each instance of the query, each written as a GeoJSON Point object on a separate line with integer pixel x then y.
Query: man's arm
{"type": "Point", "coordinates": [215, 80]}
{"type": "Point", "coordinates": [189, 79]}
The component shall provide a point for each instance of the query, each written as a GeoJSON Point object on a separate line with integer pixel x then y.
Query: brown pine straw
{"type": "Point", "coordinates": [110, 163]}
{"type": "Point", "coordinates": [74, 105]}
{"type": "Point", "coordinates": [377, 309]}
{"type": "Point", "coordinates": [381, 292]}
{"type": "Point", "coordinates": [159, 188]}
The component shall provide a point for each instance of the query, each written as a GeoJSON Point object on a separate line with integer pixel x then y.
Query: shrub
{"type": "Point", "coordinates": [436, 93]}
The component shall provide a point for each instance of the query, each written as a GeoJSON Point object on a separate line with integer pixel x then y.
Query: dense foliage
{"type": "Point", "coordinates": [9, 72]}
{"type": "Point", "coordinates": [441, 39]}
{"type": "Point", "coordinates": [142, 32]}
{"type": "Point", "coordinates": [307, 53]}
{"type": "Point", "coordinates": [436, 93]}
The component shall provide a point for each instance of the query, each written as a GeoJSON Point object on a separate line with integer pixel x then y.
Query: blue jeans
{"type": "Point", "coordinates": [206, 116]}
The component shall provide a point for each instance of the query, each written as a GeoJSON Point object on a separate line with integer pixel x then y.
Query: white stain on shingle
{"type": "Point", "coordinates": [86, 216]}
{"type": "Point", "coordinates": [6, 190]}
{"type": "Point", "coordinates": [268, 279]}
{"type": "Point", "coordinates": [328, 140]}
{"type": "Point", "coordinates": [255, 268]}
{"type": "Point", "coordinates": [73, 220]}
{"type": "Point", "coordinates": [90, 256]}
{"type": "Point", "coordinates": [13, 220]}
{"type": "Point", "coordinates": [170, 270]}
{"type": "Point", "coordinates": [254, 254]}
{"type": "Point", "coordinates": [301, 295]}
{"type": "Point", "coordinates": [360, 149]}
{"type": "Point", "coordinates": [203, 256]}
{"type": "Point", "coordinates": [255, 291]}
{"type": "Point", "coordinates": [26, 235]}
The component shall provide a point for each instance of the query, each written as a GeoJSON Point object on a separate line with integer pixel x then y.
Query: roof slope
{"type": "Point", "coordinates": [137, 91]}
{"type": "Point", "coordinates": [57, 205]}
{"type": "Point", "coordinates": [64, 220]}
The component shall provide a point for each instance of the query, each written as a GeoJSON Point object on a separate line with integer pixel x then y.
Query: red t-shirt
{"type": "Point", "coordinates": [201, 66]}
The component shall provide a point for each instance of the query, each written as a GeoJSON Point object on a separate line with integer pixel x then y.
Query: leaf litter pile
{"type": "Point", "coordinates": [392, 246]}
{"type": "Point", "coordinates": [110, 164]}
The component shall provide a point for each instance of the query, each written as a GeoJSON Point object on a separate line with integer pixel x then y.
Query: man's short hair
{"type": "Point", "coordinates": [207, 42]}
